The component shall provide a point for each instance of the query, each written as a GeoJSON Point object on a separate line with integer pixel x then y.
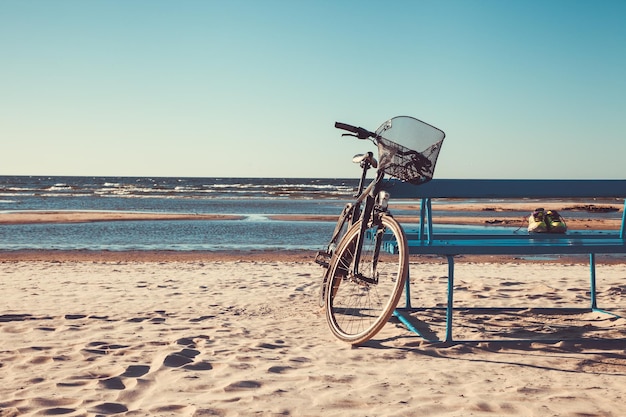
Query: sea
{"type": "Point", "coordinates": [254, 200]}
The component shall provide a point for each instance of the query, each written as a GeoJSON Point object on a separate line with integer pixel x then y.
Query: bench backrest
{"type": "Point", "coordinates": [498, 189]}
{"type": "Point", "coordinates": [473, 188]}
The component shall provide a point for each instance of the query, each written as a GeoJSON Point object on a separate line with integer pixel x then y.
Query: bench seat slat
{"type": "Point", "coordinates": [609, 234]}
{"type": "Point", "coordinates": [516, 246]}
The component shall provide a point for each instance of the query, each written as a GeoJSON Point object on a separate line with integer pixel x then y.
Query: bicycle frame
{"type": "Point", "coordinates": [369, 195]}
{"type": "Point", "coordinates": [365, 197]}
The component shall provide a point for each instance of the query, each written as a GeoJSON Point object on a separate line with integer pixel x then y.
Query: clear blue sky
{"type": "Point", "coordinates": [523, 89]}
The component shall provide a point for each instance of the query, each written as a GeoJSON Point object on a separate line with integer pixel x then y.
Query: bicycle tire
{"type": "Point", "coordinates": [356, 307]}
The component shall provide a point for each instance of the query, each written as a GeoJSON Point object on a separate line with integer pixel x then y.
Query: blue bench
{"type": "Point", "coordinates": [426, 241]}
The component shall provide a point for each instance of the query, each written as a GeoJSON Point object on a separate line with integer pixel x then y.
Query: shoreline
{"type": "Point", "coordinates": [267, 257]}
{"type": "Point", "coordinates": [500, 217]}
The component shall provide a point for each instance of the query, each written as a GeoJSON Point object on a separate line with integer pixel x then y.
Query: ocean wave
{"type": "Point", "coordinates": [183, 187]}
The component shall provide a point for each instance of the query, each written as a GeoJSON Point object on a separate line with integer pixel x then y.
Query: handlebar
{"type": "Point", "coordinates": [359, 132]}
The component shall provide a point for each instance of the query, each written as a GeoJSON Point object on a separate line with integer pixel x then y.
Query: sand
{"type": "Point", "coordinates": [158, 334]}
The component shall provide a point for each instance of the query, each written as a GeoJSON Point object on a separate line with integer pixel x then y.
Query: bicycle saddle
{"type": "Point", "coordinates": [366, 157]}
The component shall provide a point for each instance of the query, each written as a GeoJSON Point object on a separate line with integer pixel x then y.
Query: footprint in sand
{"type": "Point", "coordinates": [58, 411]}
{"type": "Point", "coordinates": [103, 348]}
{"type": "Point", "coordinates": [75, 316]}
{"type": "Point", "coordinates": [201, 318]}
{"type": "Point", "coordinates": [185, 358]}
{"type": "Point", "coordinates": [136, 371]}
{"type": "Point", "coordinates": [113, 383]}
{"type": "Point", "coordinates": [111, 408]}
{"type": "Point", "coordinates": [178, 359]}
{"type": "Point", "coordinates": [52, 406]}
{"type": "Point", "coordinates": [138, 319]}
{"type": "Point", "coordinates": [242, 385]}
{"type": "Point", "coordinates": [117, 383]}
{"type": "Point", "coordinates": [279, 369]}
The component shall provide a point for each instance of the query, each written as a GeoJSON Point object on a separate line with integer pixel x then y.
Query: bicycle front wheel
{"type": "Point", "coordinates": [359, 304]}
{"type": "Point", "coordinates": [340, 230]}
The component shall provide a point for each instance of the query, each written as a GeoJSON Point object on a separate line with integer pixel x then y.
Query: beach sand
{"type": "Point", "coordinates": [174, 334]}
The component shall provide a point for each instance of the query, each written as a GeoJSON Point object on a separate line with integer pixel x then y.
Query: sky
{"type": "Point", "coordinates": [252, 88]}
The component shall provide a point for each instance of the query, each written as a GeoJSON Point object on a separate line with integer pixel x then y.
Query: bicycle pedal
{"type": "Point", "coordinates": [323, 259]}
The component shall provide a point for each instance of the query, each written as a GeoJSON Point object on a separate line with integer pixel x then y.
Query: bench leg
{"type": "Point", "coordinates": [407, 289]}
{"type": "Point", "coordinates": [593, 293]}
{"type": "Point", "coordinates": [450, 305]}
{"type": "Point", "coordinates": [399, 313]}
{"type": "Point", "coordinates": [592, 269]}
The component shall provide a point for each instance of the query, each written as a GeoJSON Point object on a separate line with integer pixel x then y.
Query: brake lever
{"type": "Point", "coordinates": [360, 135]}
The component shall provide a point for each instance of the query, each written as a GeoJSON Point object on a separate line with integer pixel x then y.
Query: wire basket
{"type": "Point", "coordinates": [401, 162]}
{"type": "Point", "coordinates": [406, 164]}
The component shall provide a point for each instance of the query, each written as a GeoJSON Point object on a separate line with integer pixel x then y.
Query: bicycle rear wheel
{"type": "Point", "coordinates": [359, 305]}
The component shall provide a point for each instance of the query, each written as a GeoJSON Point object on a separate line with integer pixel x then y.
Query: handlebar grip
{"type": "Point", "coordinates": [345, 126]}
{"type": "Point", "coordinates": [358, 131]}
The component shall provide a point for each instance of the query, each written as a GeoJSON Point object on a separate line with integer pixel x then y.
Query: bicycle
{"type": "Point", "coordinates": [366, 261]}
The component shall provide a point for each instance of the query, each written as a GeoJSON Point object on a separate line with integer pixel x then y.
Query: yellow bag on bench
{"type": "Point", "coordinates": [546, 221]}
